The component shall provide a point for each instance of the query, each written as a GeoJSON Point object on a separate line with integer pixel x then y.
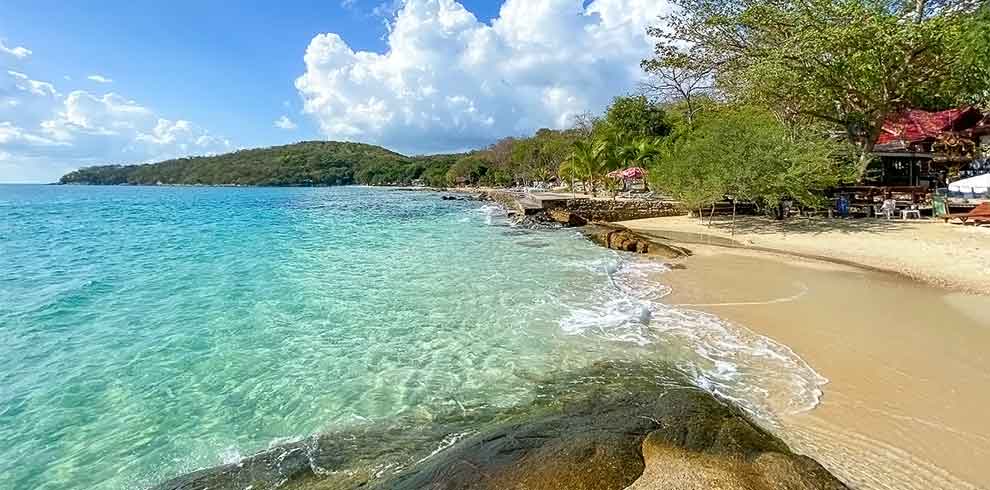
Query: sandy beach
{"type": "Point", "coordinates": [946, 255]}
{"type": "Point", "coordinates": [907, 364]}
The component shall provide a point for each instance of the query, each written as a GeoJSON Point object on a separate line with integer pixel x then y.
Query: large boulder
{"type": "Point", "coordinates": [609, 426]}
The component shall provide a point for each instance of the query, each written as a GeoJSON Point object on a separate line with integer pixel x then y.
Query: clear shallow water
{"type": "Point", "coordinates": [145, 332]}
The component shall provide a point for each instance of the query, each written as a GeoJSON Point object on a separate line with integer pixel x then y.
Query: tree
{"type": "Point", "coordinates": [501, 158]}
{"type": "Point", "coordinates": [642, 152]}
{"type": "Point", "coordinates": [584, 163]}
{"type": "Point", "coordinates": [470, 169]}
{"type": "Point", "coordinates": [673, 77]}
{"type": "Point", "coordinates": [636, 116]}
{"type": "Point", "coordinates": [974, 44]}
{"type": "Point", "coordinates": [748, 153]}
{"type": "Point", "coordinates": [539, 158]}
{"type": "Point", "coordinates": [850, 63]}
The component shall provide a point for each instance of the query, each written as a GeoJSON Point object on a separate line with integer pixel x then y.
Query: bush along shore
{"type": "Point", "coordinates": [609, 426]}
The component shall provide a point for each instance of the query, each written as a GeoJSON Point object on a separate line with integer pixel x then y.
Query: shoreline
{"type": "Point", "coordinates": [906, 376]}
{"type": "Point", "coordinates": [948, 256]}
{"type": "Point", "coordinates": [724, 448]}
{"type": "Point", "coordinates": [804, 432]}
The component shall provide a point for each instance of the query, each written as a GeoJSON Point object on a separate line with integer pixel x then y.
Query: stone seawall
{"type": "Point", "coordinates": [599, 210]}
{"type": "Point", "coordinates": [565, 210]}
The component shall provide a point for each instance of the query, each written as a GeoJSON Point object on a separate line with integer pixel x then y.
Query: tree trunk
{"type": "Point", "coordinates": [733, 233]}
{"type": "Point", "coordinates": [865, 157]}
{"type": "Point", "coordinates": [712, 215]}
{"type": "Point", "coordinates": [919, 10]}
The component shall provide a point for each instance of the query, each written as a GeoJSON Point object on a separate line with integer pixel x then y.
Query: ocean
{"type": "Point", "coordinates": [146, 332]}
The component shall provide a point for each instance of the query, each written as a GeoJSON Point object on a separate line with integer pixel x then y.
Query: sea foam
{"type": "Point", "coordinates": [763, 376]}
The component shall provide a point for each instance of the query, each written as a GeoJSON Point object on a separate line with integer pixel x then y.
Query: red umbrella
{"type": "Point", "coordinates": [633, 173]}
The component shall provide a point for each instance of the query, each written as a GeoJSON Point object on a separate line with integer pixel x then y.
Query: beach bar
{"type": "Point", "coordinates": [930, 150]}
{"type": "Point", "coordinates": [922, 158]}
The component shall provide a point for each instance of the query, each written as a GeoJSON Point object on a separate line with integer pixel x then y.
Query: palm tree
{"type": "Point", "coordinates": [583, 164]}
{"type": "Point", "coordinates": [643, 151]}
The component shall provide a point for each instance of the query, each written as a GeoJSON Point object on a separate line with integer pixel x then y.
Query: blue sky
{"type": "Point", "coordinates": [86, 83]}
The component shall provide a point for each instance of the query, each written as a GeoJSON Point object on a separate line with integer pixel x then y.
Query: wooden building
{"type": "Point", "coordinates": [930, 149]}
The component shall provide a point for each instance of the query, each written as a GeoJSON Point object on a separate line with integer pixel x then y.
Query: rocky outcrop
{"type": "Point", "coordinates": [747, 464]}
{"type": "Point", "coordinates": [689, 440]}
{"type": "Point", "coordinates": [619, 238]}
{"type": "Point", "coordinates": [610, 426]}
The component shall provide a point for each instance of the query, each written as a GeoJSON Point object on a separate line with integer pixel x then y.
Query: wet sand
{"type": "Point", "coordinates": [907, 405]}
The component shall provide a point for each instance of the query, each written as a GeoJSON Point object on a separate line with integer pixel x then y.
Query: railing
{"type": "Point", "coordinates": [978, 193]}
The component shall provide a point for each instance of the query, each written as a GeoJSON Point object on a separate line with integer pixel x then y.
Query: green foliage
{"type": "Point", "coordinates": [315, 163]}
{"type": "Point", "coordinates": [747, 153]}
{"type": "Point", "coordinates": [539, 157]}
{"type": "Point", "coordinates": [471, 169]}
{"type": "Point", "coordinates": [974, 46]}
{"type": "Point", "coordinates": [631, 134]}
{"type": "Point", "coordinates": [847, 62]}
{"type": "Point", "coordinates": [584, 163]}
{"type": "Point", "coordinates": [636, 117]}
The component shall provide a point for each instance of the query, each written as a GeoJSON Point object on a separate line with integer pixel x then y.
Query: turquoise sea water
{"type": "Point", "coordinates": [146, 332]}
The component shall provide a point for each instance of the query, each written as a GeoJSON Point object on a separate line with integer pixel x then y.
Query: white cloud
{"type": "Point", "coordinates": [24, 82]}
{"type": "Point", "coordinates": [19, 52]}
{"type": "Point", "coordinates": [11, 134]}
{"type": "Point", "coordinates": [45, 134]}
{"type": "Point", "coordinates": [449, 81]}
{"type": "Point", "coordinates": [99, 79]}
{"type": "Point", "coordinates": [285, 123]}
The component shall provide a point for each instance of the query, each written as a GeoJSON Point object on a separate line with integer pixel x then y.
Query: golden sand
{"type": "Point", "coordinates": [907, 405]}
{"type": "Point", "coordinates": [947, 255]}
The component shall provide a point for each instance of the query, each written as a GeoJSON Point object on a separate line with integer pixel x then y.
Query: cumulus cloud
{"type": "Point", "coordinates": [99, 79]}
{"type": "Point", "coordinates": [285, 123]}
{"type": "Point", "coordinates": [45, 134]}
{"type": "Point", "coordinates": [19, 52]}
{"type": "Point", "coordinates": [448, 81]}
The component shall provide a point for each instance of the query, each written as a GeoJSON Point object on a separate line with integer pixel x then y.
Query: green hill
{"type": "Point", "coordinates": [310, 163]}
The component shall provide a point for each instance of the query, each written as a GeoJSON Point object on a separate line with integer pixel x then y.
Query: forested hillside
{"type": "Point", "coordinates": [312, 163]}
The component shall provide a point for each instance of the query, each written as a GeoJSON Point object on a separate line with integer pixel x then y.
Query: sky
{"type": "Point", "coordinates": [122, 82]}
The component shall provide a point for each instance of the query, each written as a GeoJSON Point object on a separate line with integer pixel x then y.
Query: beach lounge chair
{"type": "Point", "coordinates": [979, 214]}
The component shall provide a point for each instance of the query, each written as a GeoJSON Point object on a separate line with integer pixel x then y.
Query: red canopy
{"type": "Point", "coordinates": [633, 173]}
{"type": "Point", "coordinates": [917, 125]}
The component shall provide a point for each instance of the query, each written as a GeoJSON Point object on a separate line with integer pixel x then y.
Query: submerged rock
{"type": "Point", "coordinates": [610, 426]}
